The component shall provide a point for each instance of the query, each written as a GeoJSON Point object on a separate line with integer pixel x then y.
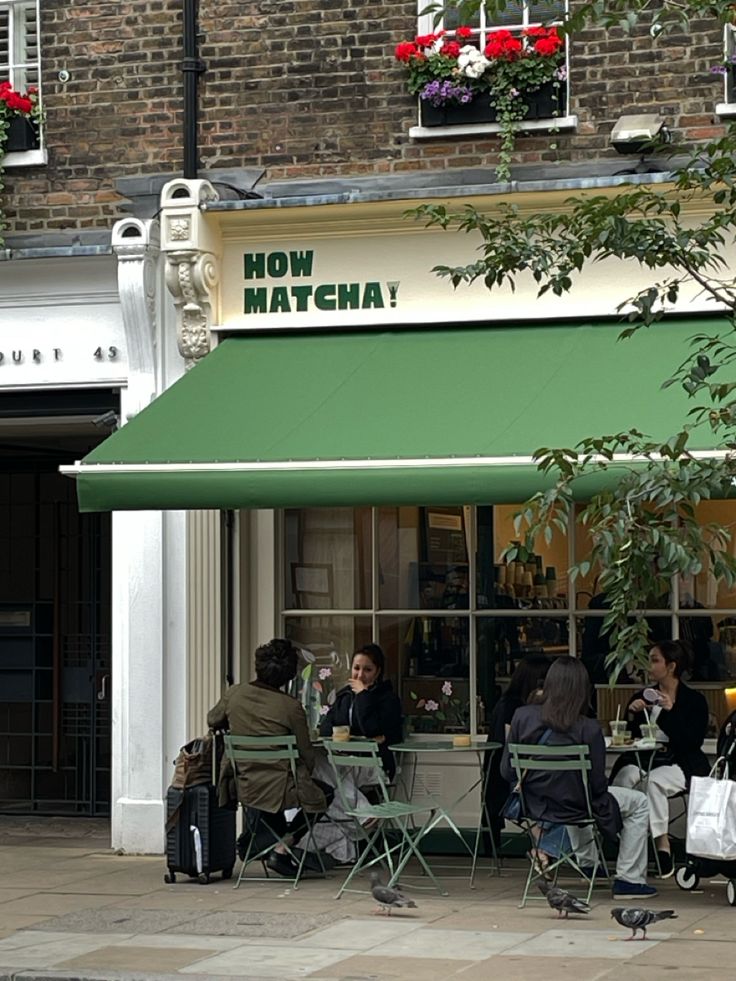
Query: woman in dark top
{"type": "Point", "coordinates": [368, 705]}
{"type": "Point", "coordinates": [559, 798]}
{"type": "Point", "coordinates": [528, 678]}
{"type": "Point", "coordinates": [682, 716]}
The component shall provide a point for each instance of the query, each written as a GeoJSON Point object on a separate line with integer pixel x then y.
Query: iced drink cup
{"type": "Point", "coordinates": [618, 732]}
{"type": "Point", "coordinates": [341, 734]}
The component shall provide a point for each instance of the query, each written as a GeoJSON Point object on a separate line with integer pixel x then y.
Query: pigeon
{"type": "Point", "coordinates": [636, 918]}
{"type": "Point", "coordinates": [389, 898]}
{"type": "Point", "coordinates": [562, 901]}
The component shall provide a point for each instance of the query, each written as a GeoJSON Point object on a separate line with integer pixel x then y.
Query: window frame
{"type": "Point", "coordinates": [566, 121]}
{"type": "Point", "coordinates": [18, 64]}
{"type": "Point", "coordinates": [727, 108]}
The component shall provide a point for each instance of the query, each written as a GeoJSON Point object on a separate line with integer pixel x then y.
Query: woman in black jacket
{"type": "Point", "coordinates": [682, 716]}
{"type": "Point", "coordinates": [556, 797]}
{"type": "Point", "coordinates": [368, 705]}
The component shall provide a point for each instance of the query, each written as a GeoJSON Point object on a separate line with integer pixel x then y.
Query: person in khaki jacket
{"type": "Point", "coordinates": [261, 708]}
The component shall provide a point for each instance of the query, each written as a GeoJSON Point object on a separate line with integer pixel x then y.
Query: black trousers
{"type": "Point", "coordinates": [264, 825]}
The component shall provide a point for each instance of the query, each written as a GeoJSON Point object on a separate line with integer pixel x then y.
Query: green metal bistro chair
{"type": "Point", "coordinates": [394, 829]}
{"type": "Point", "coordinates": [268, 751]}
{"type": "Point", "coordinates": [527, 758]}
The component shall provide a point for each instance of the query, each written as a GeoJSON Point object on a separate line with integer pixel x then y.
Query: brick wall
{"type": "Point", "coordinates": [301, 88]}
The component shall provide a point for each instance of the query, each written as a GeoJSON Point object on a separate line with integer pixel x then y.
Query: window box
{"type": "Point", "coordinates": [547, 102]}
{"type": "Point", "coordinates": [22, 135]}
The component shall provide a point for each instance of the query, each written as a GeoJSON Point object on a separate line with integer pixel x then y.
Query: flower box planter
{"type": "Point", "coordinates": [22, 135]}
{"type": "Point", "coordinates": [546, 103]}
{"type": "Point", "coordinates": [477, 111]}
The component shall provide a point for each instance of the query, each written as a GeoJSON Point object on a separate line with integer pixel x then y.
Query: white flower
{"type": "Point", "coordinates": [324, 710]}
{"type": "Point", "coordinates": [430, 705]}
{"type": "Point", "coordinates": [447, 688]}
{"type": "Point", "coordinates": [325, 673]}
{"type": "Point", "coordinates": [471, 62]}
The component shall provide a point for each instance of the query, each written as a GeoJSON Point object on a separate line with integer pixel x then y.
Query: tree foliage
{"type": "Point", "coordinates": [645, 532]}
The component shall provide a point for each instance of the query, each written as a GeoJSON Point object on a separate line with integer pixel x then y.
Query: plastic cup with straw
{"type": "Point", "coordinates": [618, 729]}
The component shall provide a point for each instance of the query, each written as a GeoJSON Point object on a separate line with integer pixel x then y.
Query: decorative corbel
{"type": "Point", "coordinates": [136, 243]}
{"type": "Point", "coordinates": [192, 250]}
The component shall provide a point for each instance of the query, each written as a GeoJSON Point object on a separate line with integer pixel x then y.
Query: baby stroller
{"type": "Point", "coordinates": [688, 876]}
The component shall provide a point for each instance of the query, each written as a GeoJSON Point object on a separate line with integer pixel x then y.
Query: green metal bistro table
{"type": "Point", "coordinates": [418, 748]}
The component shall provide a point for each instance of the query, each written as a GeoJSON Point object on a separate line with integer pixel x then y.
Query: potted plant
{"type": "Point", "coordinates": [20, 117]}
{"type": "Point", "coordinates": [517, 76]}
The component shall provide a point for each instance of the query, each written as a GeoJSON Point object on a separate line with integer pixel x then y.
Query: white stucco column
{"type": "Point", "coordinates": [144, 545]}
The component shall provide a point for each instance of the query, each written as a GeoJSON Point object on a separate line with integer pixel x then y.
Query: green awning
{"type": "Point", "coordinates": [430, 416]}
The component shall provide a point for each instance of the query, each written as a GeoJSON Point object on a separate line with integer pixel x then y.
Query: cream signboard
{"type": "Point", "coordinates": [322, 268]}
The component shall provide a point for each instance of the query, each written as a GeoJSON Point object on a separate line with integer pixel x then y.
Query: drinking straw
{"type": "Point", "coordinates": [646, 716]}
{"type": "Point", "coordinates": [618, 713]}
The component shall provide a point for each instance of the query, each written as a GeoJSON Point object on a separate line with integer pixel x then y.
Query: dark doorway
{"type": "Point", "coordinates": [55, 611]}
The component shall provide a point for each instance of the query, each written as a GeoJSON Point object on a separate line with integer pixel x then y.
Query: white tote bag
{"type": "Point", "coordinates": [711, 818]}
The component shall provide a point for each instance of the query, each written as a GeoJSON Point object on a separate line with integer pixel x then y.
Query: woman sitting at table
{"type": "Point", "coordinates": [556, 797]}
{"type": "Point", "coordinates": [368, 705]}
{"type": "Point", "coordinates": [681, 713]}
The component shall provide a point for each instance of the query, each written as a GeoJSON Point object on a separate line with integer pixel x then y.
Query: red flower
{"type": "Point", "coordinates": [503, 45]}
{"type": "Point", "coordinates": [463, 33]}
{"type": "Point", "coordinates": [405, 51]}
{"type": "Point", "coordinates": [426, 40]}
{"type": "Point", "coordinates": [451, 49]}
{"type": "Point", "coordinates": [548, 46]}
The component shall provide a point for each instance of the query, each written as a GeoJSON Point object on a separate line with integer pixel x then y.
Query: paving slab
{"type": "Point", "coordinates": [570, 941]}
{"type": "Point", "coordinates": [471, 945]}
{"type": "Point", "coordinates": [380, 968]}
{"type": "Point", "coordinates": [132, 958]}
{"type": "Point", "coordinates": [117, 920]}
{"type": "Point", "coordinates": [283, 963]}
{"type": "Point", "coordinates": [255, 924]}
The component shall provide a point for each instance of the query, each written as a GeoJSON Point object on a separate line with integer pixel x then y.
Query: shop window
{"type": "Point", "coordinates": [20, 64]}
{"type": "Point", "coordinates": [432, 587]}
{"type": "Point", "coordinates": [546, 107]}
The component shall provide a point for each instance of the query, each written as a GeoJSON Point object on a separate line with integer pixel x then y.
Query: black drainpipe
{"type": "Point", "coordinates": [192, 68]}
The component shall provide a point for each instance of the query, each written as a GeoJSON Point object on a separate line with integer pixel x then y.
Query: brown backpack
{"type": "Point", "coordinates": [195, 763]}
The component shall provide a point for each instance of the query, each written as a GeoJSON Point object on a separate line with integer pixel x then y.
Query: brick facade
{"type": "Point", "coordinates": [302, 88]}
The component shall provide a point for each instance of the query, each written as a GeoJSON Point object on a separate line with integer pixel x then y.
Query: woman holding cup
{"type": "Point", "coordinates": [367, 706]}
{"type": "Point", "coordinates": [680, 715]}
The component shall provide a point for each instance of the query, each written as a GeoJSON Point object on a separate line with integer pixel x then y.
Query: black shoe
{"type": "Point", "coordinates": [666, 865]}
{"type": "Point", "coordinates": [282, 864]}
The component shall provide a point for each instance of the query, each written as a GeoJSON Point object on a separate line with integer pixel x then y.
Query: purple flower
{"type": "Point", "coordinates": [719, 69]}
{"type": "Point", "coordinates": [445, 93]}
{"type": "Point", "coordinates": [325, 673]}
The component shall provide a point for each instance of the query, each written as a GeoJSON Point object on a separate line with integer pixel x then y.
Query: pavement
{"type": "Point", "coordinates": [71, 908]}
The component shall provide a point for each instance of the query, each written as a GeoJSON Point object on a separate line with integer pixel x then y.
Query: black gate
{"type": "Point", "coordinates": [55, 726]}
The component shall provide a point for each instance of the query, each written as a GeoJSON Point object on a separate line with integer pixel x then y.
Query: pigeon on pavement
{"type": "Point", "coordinates": [387, 897]}
{"type": "Point", "coordinates": [636, 918]}
{"type": "Point", "coordinates": [562, 901]}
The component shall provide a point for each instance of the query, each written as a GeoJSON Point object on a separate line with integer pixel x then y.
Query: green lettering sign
{"type": "Point", "coordinates": [324, 297]}
{"type": "Point", "coordinates": [301, 294]}
{"type": "Point", "coordinates": [279, 300]}
{"type": "Point", "coordinates": [372, 296]}
{"type": "Point", "coordinates": [255, 265]}
{"type": "Point", "coordinates": [301, 263]}
{"type": "Point", "coordinates": [255, 300]}
{"type": "Point", "coordinates": [348, 296]}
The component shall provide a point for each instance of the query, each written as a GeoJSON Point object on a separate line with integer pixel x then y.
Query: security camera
{"type": "Point", "coordinates": [108, 420]}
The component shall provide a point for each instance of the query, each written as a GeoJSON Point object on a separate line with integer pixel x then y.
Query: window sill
{"type": "Point", "coordinates": [26, 158]}
{"type": "Point", "coordinates": [478, 129]}
{"type": "Point", "coordinates": [726, 109]}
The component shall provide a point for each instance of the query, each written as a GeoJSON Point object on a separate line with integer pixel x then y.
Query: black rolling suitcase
{"type": "Point", "coordinates": [200, 837]}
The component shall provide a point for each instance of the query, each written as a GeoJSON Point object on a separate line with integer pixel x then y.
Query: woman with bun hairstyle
{"type": "Point", "coordinates": [681, 713]}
